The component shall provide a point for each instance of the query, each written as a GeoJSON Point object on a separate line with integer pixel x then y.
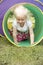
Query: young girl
{"type": "Point", "coordinates": [22, 25]}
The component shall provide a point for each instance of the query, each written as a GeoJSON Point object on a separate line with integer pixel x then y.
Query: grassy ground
{"type": "Point", "coordinates": [12, 55]}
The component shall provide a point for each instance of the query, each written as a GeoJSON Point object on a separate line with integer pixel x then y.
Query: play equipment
{"type": "Point", "coordinates": [38, 30]}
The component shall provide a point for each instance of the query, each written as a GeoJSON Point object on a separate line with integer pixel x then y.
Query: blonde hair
{"type": "Point", "coordinates": [20, 10]}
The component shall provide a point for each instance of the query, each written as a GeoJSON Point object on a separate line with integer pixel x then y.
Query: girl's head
{"type": "Point", "coordinates": [20, 13]}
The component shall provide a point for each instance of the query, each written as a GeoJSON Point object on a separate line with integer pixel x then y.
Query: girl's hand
{"type": "Point", "coordinates": [33, 43]}
{"type": "Point", "coordinates": [16, 42]}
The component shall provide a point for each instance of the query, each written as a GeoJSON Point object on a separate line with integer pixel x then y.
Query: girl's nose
{"type": "Point", "coordinates": [20, 21]}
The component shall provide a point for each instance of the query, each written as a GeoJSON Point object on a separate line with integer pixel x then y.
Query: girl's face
{"type": "Point", "coordinates": [21, 20]}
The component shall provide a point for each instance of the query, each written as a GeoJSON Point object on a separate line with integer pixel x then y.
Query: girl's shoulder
{"type": "Point", "coordinates": [29, 23]}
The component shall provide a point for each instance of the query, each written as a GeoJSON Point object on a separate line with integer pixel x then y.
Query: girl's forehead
{"type": "Point", "coordinates": [21, 17]}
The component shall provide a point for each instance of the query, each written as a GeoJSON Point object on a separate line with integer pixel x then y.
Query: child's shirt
{"type": "Point", "coordinates": [27, 25]}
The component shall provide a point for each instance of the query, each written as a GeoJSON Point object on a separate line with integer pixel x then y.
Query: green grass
{"type": "Point", "coordinates": [12, 55]}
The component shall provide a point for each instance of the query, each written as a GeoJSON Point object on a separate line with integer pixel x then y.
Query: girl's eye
{"type": "Point", "coordinates": [22, 19]}
{"type": "Point", "coordinates": [18, 19]}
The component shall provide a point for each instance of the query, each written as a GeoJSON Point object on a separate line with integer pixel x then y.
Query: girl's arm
{"type": "Point", "coordinates": [31, 35]}
{"type": "Point", "coordinates": [14, 35]}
